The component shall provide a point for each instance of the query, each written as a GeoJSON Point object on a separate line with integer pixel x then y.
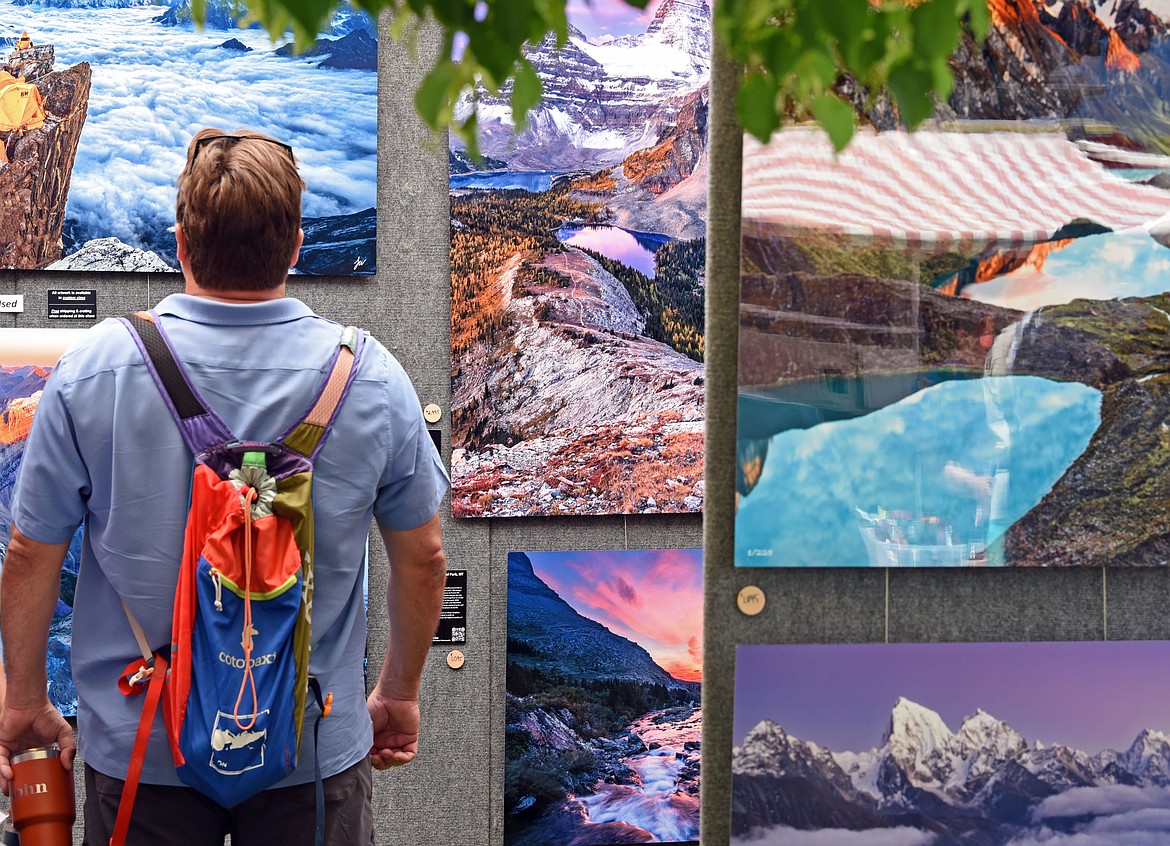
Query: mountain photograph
{"type": "Point", "coordinates": [999, 274]}
{"type": "Point", "coordinates": [986, 744]}
{"type": "Point", "coordinates": [578, 249]}
{"type": "Point", "coordinates": [27, 358]}
{"type": "Point", "coordinates": [150, 79]}
{"type": "Point", "coordinates": [602, 718]}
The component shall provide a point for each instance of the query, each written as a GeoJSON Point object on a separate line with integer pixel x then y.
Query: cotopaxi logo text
{"type": "Point", "coordinates": [240, 663]}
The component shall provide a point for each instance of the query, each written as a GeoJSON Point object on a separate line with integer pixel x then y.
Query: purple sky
{"type": "Point", "coordinates": [597, 18]}
{"type": "Point", "coordinates": [1091, 695]}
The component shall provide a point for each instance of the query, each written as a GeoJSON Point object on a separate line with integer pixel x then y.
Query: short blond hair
{"type": "Point", "coordinates": [239, 204]}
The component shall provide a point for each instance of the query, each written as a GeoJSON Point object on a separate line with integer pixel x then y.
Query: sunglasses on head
{"type": "Point", "coordinates": [232, 140]}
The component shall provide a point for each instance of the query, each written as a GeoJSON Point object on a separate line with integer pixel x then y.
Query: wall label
{"type": "Point", "coordinates": [453, 615]}
{"type": "Point", "coordinates": [72, 305]}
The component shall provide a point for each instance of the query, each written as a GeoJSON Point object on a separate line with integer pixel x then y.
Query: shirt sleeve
{"type": "Point", "coordinates": [53, 483]}
{"type": "Point", "coordinates": [414, 480]}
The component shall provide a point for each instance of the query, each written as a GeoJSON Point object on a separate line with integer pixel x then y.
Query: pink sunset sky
{"type": "Point", "coordinates": [652, 597]}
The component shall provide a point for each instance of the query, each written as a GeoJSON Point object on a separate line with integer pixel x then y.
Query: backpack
{"type": "Point", "coordinates": [21, 104]}
{"type": "Point", "coordinates": [234, 682]}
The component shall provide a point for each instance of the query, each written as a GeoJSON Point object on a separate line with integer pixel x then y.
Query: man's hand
{"type": "Point", "coordinates": [414, 595]}
{"type": "Point", "coordinates": [25, 728]}
{"type": "Point", "coordinates": [395, 730]}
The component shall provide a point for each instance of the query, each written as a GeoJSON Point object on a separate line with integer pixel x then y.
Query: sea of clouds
{"type": "Point", "coordinates": [155, 86]}
{"type": "Point", "coordinates": [1109, 815]}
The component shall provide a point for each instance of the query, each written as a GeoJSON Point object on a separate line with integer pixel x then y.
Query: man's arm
{"type": "Point", "coordinates": [29, 585]}
{"type": "Point", "coordinates": [414, 595]}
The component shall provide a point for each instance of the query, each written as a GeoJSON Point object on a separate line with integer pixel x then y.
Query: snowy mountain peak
{"type": "Point", "coordinates": [765, 731]}
{"type": "Point", "coordinates": [763, 751]}
{"type": "Point", "coordinates": [679, 23]}
{"type": "Point", "coordinates": [914, 727]}
{"type": "Point", "coordinates": [1149, 755]}
{"type": "Point", "coordinates": [978, 725]}
{"type": "Point", "coordinates": [983, 732]}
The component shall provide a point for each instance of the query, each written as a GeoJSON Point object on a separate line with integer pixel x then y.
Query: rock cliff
{"type": "Point", "coordinates": [674, 158]}
{"type": "Point", "coordinates": [34, 185]}
{"type": "Point", "coordinates": [1109, 508]}
{"type": "Point", "coordinates": [800, 324]}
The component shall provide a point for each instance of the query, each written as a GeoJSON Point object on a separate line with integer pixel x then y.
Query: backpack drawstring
{"type": "Point", "coordinates": [249, 494]}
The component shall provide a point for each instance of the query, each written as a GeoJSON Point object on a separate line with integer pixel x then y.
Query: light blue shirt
{"type": "Point", "coordinates": [103, 447]}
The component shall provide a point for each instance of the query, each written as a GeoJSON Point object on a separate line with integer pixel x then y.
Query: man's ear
{"type": "Point", "coordinates": [296, 256]}
{"type": "Point", "coordinates": [181, 244]}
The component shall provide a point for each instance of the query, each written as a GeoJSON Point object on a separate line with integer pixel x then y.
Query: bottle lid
{"type": "Point", "coordinates": [36, 753]}
{"type": "Point", "coordinates": [255, 458]}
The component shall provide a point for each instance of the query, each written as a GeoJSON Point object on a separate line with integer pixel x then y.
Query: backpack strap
{"type": "Point", "coordinates": [154, 677]}
{"type": "Point", "coordinates": [307, 436]}
{"type": "Point", "coordinates": [200, 426]}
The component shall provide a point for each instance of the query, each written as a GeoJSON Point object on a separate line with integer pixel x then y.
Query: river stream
{"type": "Point", "coordinates": [664, 799]}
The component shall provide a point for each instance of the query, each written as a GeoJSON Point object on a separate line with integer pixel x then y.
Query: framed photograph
{"type": "Point", "coordinates": [950, 344]}
{"type": "Point", "coordinates": [1062, 744]}
{"type": "Point", "coordinates": [578, 250]}
{"type": "Point", "coordinates": [125, 84]}
{"type": "Point", "coordinates": [603, 725]}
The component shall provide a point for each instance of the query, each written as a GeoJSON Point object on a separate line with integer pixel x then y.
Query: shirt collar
{"type": "Point", "coordinates": [201, 310]}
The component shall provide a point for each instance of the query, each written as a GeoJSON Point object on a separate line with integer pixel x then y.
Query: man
{"type": "Point", "coordinates": [105, 448]}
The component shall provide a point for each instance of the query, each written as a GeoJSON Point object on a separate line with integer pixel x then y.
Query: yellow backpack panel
{"type": "Point", "coordinates": [21, 104]}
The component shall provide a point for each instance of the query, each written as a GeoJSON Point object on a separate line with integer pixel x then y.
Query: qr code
{"type": "Point", "coordinates": [458, 635]}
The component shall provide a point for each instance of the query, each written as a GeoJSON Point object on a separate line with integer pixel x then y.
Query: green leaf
{"type": "Point", "coordinates": [526, 92]}
{"type": "Point", "coordinates": [836, 117]}
{"type": "Point", "coordinates": [942, 77]}
{"type": "Point", "coordinates": [433, 100]}
{"type": "Point", "coordinates": [978, 18]}
{"type": "Point", "coordinates": [848, 22]}
{"type": "Point", "coordinates": [911, 86]}
{"type": "Point", "coordinates": [513, 20]}
{"type": "Point", "coordinates": [873, 49]}
{"type": "Point", "coordinates": [756, 105]}
{"type": "Point", "coordinates": [553, 12]}
{"type": "Point", "coordinates": [816, 69]}
{"type": "Point", "coordinates": [936, 28]}
{"type": "Point", "coordinates": [780, 53]}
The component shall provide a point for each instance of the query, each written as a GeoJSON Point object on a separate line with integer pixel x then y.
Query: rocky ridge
{"type": "Point", "coordinates": [1100, 61]}
{"type": "Point", "coordinates": [562, 642]}
{"type": "Point", "coordinates": [110, 254]}
{"type": "Point", "coordinates": [574, 361]}
{"type": "Point", "coordinates": [356, 50]}
{"type": "Point", "coordinates": [661, 188]}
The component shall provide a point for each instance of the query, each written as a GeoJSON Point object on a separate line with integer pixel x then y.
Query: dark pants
{"type": "Point", "coordinates": [181, 816]}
